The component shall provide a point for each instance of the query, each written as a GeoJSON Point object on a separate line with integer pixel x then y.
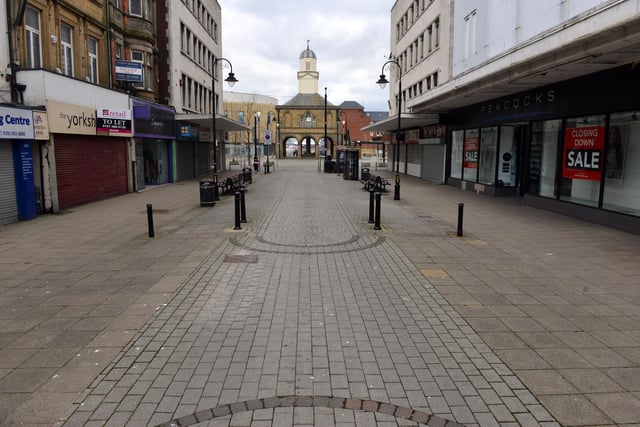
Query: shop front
{"type": "Point", "coordinates": [185, 148]}
{"type": "Point", "coordinates": [571, 147]}
{"type": "Point", "coordinates": [88, 166]}
{"type": "Point", "coordinates": [154, 132]}
{"type": "Point", "coordinates": [17, 190]}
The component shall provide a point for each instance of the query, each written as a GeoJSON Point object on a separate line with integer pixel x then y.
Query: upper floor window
{"type": "Point", "coordinates": [32, 38]}
{"type": "Point", "coordinates": [139, 8]}
{"type": "Point", "coordinates": [139, 57]}
{"type": "Point", "coordinates": [93, 59]}
{"type": "Point", "coordinates": [66, 49]}
{"type": "Point", "coordinates": [470, 34]}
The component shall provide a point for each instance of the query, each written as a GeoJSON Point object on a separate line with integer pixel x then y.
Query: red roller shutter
{"type": "Point", "coordinates": [89, 168]}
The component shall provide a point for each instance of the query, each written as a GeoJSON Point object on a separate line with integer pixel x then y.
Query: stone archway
{"type": "Point", "coordinates": [308, 147]}
{"type": "Point", "coordinates": [291, 147]}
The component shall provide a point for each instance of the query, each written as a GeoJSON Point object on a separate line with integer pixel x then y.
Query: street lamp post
{"type": "Point", "coordinates": [325, 127]}
{"type": "Point", "coordinates": [256, 123]}
{"type": "Point", "coordinates": [382, 82]}
{"type": "Point", "coordinates": [231, 80]}
{"type": "Point", "coordinates": [270, 144]}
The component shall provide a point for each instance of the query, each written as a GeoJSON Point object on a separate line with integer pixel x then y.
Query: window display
{"type": "Point", "coordinates": [488, 149]}
{"type": "Point", "coordinates": [456, 153]}
{"type": "Point", "coordinates": [543, 154]}
{"type": "Point", "coordinates": [470, 162]}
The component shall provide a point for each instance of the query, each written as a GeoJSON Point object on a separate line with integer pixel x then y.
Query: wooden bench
{"type": "Point", "coordinates": [231, 184]}
{"type": "Point", "coordinates": [375, 182]}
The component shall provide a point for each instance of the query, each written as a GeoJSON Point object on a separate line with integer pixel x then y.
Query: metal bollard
{"type": "Point", "coordinates": [377, 224]}
{"type": "Point", "coordinates": [371, 205]}
{"type": "Point", "coordinates": [216, 192]}
{"type": "Point", "coordinates": [396, 191]}
{"type": "Point", "coordinates": [243, 208]}
{"type": "Point", "coordinates": [460, 213]}
{"type": "Point", "coordinates": [150, 220]}
{"type": "Point", "coordinates": [237, 226]}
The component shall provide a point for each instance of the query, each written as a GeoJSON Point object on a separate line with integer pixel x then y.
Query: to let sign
{"type": "Point", "coordinates": [583, 153]}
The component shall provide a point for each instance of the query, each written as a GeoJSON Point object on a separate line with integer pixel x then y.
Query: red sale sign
{"type": "Point", "coordinates": [583, 153]}
{"type": "Point", "coordinates": [471, 153]}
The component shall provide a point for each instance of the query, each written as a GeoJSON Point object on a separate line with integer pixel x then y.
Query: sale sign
{"type": "Point", "coordinates": [471, 152]}
{"type": "Point", "coordinates": [583, 153]}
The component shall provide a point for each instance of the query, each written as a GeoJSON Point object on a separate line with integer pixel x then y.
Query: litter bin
{"type": "Point", "coordinates": [207, 193]}
{"type": "Point", "coordinates": [246, 175]}
{"type": "Point", "coordinates": [329, 166]}
{"type": "Point", "coordinates": [364, 173]}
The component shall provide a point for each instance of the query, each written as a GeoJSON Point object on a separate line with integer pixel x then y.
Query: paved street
{"type": "Point", "coordinates": [308, 316]}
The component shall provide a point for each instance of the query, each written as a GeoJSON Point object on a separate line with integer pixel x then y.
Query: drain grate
{"type": "Point", "coordinates": [239, 259]}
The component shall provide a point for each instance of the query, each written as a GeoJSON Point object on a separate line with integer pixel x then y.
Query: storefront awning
{"type": "Point", "coordinates": [222, 123]}
{"type": "Point", "coordinates": [407, 121]}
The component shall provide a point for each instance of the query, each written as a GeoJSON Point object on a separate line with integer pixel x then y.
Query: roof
{"type": "Point", "coordinates": [222, 123]}
{"type": "Point", "coordinates": [306, 100]}
{"type": "Point", "coordinates": [377, 116]}
{"type": "Point", "coordinates": [308, 53]}
{"type": "Point", "coordinates": [351, 105]}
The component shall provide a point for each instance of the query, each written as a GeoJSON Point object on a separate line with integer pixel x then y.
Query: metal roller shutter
{"type": "Point", "coordinates": [89, 168]}
{"type": "Point", "coordinates": [185, 159]}
{"type": "Point", "coordinates": [8, 201]}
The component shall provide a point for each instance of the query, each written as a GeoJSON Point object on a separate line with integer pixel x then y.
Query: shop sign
{"type": "Point", "coordinates": [113, 121]}
{"type": "Point", "coordinates": [188, 131]}
{"type": "Point", "coordinates": [153, 120]}
{"type": "Point", "coordinates": [71, 119]}
{"type": "Point", "coordinates": [41, 125]}
{"type": "Point", "coordinates": [16, 123]}
{"type": "Point", "coordinates": [471, 153]}
{"type": "Point", "coordinates": [583, 153]}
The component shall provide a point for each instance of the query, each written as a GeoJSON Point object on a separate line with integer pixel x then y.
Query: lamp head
{"type": "Point", "coordinates": [382, 81]}
{"type": "Point", "coordinates": [231, 79]}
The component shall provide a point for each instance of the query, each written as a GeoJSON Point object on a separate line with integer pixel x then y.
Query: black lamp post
{"type": "Point", "coordinates": [256, 123]}
{"type": "Point", "coordinates": [270, 117]}
{"type": "Point", "coordinates": [231, 80]}
{"type": "Point", "coordinates": [326, 142]}
{"type": "Point", "coordinates": [382, 81]}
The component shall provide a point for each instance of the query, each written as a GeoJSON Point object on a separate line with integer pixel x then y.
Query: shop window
{"type": "Point", "coordinates": [543, 157]}
{"type": "Point", "coordinates": [582, 160]}
{"type": "Point", "coordinates": [457, 140]}
{"type": "Point", "coordinates": [622, 179]}
{"type": "Point", "coordinates": [470, 158]}
{"type": "Point", "coordinates": [487, 155]}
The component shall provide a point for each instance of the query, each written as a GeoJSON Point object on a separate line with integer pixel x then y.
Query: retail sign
{"type": "Point", "coordinates": [583, 153]}
{"type": "Point", "coordinates": [471, 152]}
{"type": "Point", "coordinates": [71, 119]}
{"type": "Point", "coordinates": [16, 123]}
{"type": "Point", "coordinates": [129, 71]}
{"type": "Point", "coordinates": [41, 125]}
{"type": "Point", "coordinates": [114, 122]}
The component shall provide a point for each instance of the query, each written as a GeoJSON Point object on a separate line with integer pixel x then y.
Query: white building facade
{"type": "Point", "coordinates": [542, 104]}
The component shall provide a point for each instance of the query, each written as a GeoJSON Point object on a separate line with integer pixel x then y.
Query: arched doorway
{"type": "Point", "coordinates": [308, 147]}
{"type": "Point", "coordinates": [291, 148]}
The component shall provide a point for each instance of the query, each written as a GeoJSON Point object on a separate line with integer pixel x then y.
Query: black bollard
{"type": "Point", "coordinates": [460, 212]}
{"type": "Point", "coordinates": [216, 192]}
{"type": "Point", "coordinates": [377, 224]}
{"type": "Point", "coordinates": [371, 204]}
{"type": "Point", "coordinates": [243, 208]}
{"type": "Point", "coordinates": [396, 191]}
{"type": "Point", "coordinates": [150, 220]}
{"type": "Point", "coordinates": [237, 226]}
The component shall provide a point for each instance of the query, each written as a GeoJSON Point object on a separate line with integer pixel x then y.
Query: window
{"type": "Point", "coordinates": [622, 180]}
{"type": "Point", "coordinates": [139, 57]}
{"type": "Point", "coordinates": [457, 149]}
{"type": "Point", "coordinates": [487, 160]}
{"type": "Point", "coordinates": [470, 34]}
{"type": "Point", "coordinates": [582, 160]}
{"type": "Point", "coordinates": [32, 38]}
{"type": "Point", "coordinates": [118, 51]}
{"type": "Point", "coordinates": [136, 8]}
{"type": "Point", "coordinates": [241, 117]}
{"type": "Point", "coordinates": [93, 60]}
{"type": "Point", "coordinates": [543, 154]}
{"type": "Point", "coordinates": [470, 158]}
{"type": "Point", "coordinates": [66, 50]}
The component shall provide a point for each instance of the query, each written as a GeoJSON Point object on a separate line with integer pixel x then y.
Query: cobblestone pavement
{"type": "Point", "coordinates": [307, 300]}
{"type": "Point", "coordinates": [308, 316]}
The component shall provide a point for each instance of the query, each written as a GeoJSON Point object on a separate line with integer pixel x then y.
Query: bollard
{"type": "Point", "coordinates": [377, 224]}
{"type": "Point", "coordinates": [460, 212]}
{"type": "Point", "coordinates": [216, 192]}
{"type": "Point", "coordinates": [396, 191]}
{"type": "Point", "coordinates": [371, 204]}
{"type": "Point", "coordinates": [243, 208]}
{"type": "Point", "coordinates": [237, 212]}
{"type": "Point", "coordinates": [150, 220]}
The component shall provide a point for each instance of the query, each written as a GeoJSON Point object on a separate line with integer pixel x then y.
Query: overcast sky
{"type": "Point", "coordinates": [263, 40]}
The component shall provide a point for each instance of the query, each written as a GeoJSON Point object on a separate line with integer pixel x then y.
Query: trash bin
{"type": "Point", "coordinates": [329, 166]}
{"type": "Point", "coordinates": [364, 174]}
{"type": "Point", "coordinates": [246, 175]}
{"type": "Point", "coordinates": [207, 193]}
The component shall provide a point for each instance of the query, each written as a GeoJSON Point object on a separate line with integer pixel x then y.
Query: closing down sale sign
{"type": "Point", "coordinates": [583, 153]}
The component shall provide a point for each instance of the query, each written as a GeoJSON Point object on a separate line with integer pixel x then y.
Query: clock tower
{"type": "Point", "coordinates": [308, 75]}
